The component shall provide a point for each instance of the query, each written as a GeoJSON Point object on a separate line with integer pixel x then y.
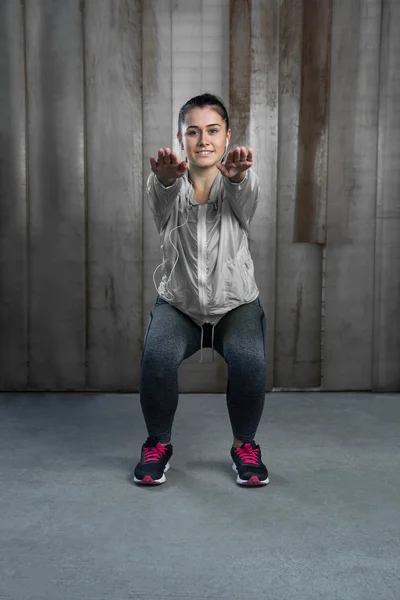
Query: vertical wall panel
{"type": "Point", "coordinates": [264, 141]}
{"type": "Point", "coordinates": [199, 65]}
{"type": "Point", "coordinates": [298, 280]}
{"type": "Point", "coordinates": [254, 77]}
{"type": "Point", "coordinates": [240, 66]}
{"type": "Point", "coordinates": [115, 192]}
{"type": "Point", "coordinates": [313, 126]}
{"type": "Point", "coordinates": [13, 240]}
{"type": "Point", "coordinates": [351, 194]}
{"type": "Point", "coordinates": [254, 96]}
{"type": "Point", "coordinates": [56, 194]}
{"type": "Point", "coordinates": [386, 341]}
{"type": "Point", "coordinates": [157, 132]}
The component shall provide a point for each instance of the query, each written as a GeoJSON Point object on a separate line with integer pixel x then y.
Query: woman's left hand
{"type": "Point", "coordinates": [236, 162]}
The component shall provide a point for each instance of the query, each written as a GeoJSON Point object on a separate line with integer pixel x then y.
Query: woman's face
{"type": "Point", "coordinates": [204, 136]}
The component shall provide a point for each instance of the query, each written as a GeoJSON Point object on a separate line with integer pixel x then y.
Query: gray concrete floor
{"type": "Point", "coordinates": [72, 525]}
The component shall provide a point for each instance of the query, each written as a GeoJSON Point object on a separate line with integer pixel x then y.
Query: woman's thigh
{"type": "Point", "coordinates": [242, 331]}
{"type": "Point", "coordinates": [170, 333]}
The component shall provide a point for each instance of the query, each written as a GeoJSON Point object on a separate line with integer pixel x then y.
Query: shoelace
{"type": "Point", "coordinates": [249, 455]}
{"type": "Point", "coordinates": [154, 453]}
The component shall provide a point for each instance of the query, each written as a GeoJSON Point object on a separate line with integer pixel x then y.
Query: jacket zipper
{"type": "Point", "coordinates": [202, 273]}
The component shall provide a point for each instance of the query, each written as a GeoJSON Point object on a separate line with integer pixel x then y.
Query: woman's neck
{"type": "Point", "coordinates": [202, 179]}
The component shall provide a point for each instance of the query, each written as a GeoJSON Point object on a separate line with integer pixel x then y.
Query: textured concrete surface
{"type": "Point", "coordinates": [73, 526]}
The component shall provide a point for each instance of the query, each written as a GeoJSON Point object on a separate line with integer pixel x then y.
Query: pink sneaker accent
{"type": "Point", "coordinates": [152, 454]}
{"type": "Point", "coordinates": [249, 455]}
{"type": "Point", "coordinates": [147, 480]}
{"type": "Point", "coordinates": [254, 481]}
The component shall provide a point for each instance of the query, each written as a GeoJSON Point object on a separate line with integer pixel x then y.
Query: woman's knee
{"type": "Point", "coordinates": [245, 360]}
{"type": "Point", "coordinates": [162, 354]}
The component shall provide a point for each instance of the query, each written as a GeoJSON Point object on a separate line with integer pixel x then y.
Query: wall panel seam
{"type": "Point", "coordinates": [278, 137]}
{"type": "Point", "coordinates": [375, 347]}
{"type": "Point", "coordinates": [27, 204]}
{"type": "Point", "coordinates": [86, 193]}
{"type": "Point", "coordinates": [143, 174]}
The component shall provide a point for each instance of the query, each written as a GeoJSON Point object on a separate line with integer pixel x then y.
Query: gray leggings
{"type": "Point", "coordinates": [172, 336]}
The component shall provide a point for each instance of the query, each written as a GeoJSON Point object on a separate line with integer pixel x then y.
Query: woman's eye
{"type": "Point", "coordinates": [193, 132]}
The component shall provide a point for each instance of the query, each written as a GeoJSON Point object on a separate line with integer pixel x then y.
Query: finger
{"type": "Point", "coordinates": [222, 168]}
{"type": "Point", "coordinates": [229, 156]}
{"type": "Point", "coordinates": [242, 153]}
{"type": "Point", "coordinates": [250, 155]}
{"type": "Point", "coordinates": [182, 168]}
{"type": "Point", "coordinates": [167, 156]}
{"type": "Point", "coordinates": [160, 156]}
{"type": "Point", "coordinates": [153, 163]}
{"type": "Point", "coordinates": [236, 156]}
{"type": "Point", "coordinates": [174, 158]}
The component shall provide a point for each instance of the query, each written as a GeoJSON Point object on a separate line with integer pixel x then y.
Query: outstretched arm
{"type": "Point", "coordinates": [237, 162]}
{"type": "Point", "coordinates": [241, 183]}
{"type": "Point", "coordinates": [164, 184]}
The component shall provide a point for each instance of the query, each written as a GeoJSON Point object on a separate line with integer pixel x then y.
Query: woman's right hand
{"type": "Point", "coordinates": [167, 166]}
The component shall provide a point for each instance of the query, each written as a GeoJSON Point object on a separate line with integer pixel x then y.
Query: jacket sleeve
{"type": "Point", "coordinates": [243, 197]}
{"type": "Point", "coordinates": [162, 199]}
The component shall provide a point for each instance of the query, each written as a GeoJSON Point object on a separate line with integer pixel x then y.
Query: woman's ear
{"type": "Point", "coordinates": [179, 138]}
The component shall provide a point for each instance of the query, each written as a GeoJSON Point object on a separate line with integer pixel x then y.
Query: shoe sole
{"type": "Point", "coordinates": [252, 482]}
{"type": "Point", "coordinates": [148, 480]}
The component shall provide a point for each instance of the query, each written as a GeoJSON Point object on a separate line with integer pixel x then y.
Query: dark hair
{"type": "Point", "coordinates": [201, 102]}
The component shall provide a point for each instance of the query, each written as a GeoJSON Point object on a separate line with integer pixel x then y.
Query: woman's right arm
{"type": "Point", "coordinates": [164, 184]}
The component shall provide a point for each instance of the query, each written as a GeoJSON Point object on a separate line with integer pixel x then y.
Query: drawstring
{"type": "Point", "coordinates": [202, 332]}
{"type": "Point", "coordinates": [212, 344]}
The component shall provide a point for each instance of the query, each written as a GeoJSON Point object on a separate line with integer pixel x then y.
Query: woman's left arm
{"type": "Point", "coordinates": [241, 184]}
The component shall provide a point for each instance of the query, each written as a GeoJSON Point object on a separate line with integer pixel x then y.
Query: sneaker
{"type": "Point", "coordinates": [153, 463]}
{"type": "Point", "coordinates": [247, 464]}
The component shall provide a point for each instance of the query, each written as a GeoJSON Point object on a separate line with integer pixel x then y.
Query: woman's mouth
{"type": "Point", "coordinates": [204, 153]}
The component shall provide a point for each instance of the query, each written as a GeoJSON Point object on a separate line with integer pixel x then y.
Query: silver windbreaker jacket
{"type": "Point", "coordinates": [207, 267]}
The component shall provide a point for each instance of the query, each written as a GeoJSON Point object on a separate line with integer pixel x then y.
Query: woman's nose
{"type": "Point", "coordinates": [204, 137]}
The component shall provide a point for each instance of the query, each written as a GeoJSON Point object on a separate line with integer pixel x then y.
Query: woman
{"type": "Point", "coordinates": [202, 209]}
